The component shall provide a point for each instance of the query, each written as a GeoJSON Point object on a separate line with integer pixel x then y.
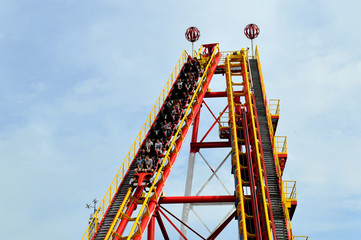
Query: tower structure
{"type": "Point", "coordinates": [263, 202]}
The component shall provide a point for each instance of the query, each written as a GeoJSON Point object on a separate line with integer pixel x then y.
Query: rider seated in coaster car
{"type": "Point", "coordinates": [167, 128]}
{"type": "Point", "coordinates": [148, 164]}
{"type": "Point", "coordinates": [167, 106]}
{"type": "Point", "coordinates": [140, 163]}
{"type": "Point", "coordinates": [148, 145]}
{"type": "Point", "coordinates": [158, 147]}
{"type": "Point", "coordinates": [175, 112]}
{"type": "Point", "coordinates": [179, 84]}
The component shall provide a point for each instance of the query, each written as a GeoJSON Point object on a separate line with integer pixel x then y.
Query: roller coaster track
{"type": "Point", "coordinates": [124, 201]}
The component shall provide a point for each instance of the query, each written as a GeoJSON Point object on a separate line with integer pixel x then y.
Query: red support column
{"type": "Point", "coordinates": [174, 226]}
{"type": "Point", "coordinates": [123, 223]}
{"type": "Point", "coordinates": [195, 131]}
{"type": "Point", "coordinates": [197, 199]}
{"type": "Point", "coordinates": [222, 226]}
{"type": "Point", "coordinates": [151, 229]}
{"type": "Point", "coordinates": [161, 225]}
{"type": "Point", "coordinates": [218, 94]}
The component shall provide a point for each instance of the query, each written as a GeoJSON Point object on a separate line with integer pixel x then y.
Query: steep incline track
{"type": "Point", "coordinates": [124, 200]}
{"type": "Point", "coordinates": [272, 178]}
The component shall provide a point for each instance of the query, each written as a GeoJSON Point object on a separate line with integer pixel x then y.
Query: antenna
{"type": "Point", "coordinates": [94, 205]}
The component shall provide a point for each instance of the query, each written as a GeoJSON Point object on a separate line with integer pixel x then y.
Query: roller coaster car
{"type": "Point", "coordinates": [209, 48]}
{"type": "Point", "coordinates": [141, 179]}
{"type": "Point", "coordinates": [207, 52]}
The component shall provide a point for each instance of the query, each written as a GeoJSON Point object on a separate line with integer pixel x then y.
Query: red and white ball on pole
{"type": "Point", "coordinates": [192, 34]}
{"type": "Point", "coordinates": [251, 31]}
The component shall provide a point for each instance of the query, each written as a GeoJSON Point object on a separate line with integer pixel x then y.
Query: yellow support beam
{"type": "Point", "coordinates": [235, 149]}
{"type": "Point", "coordinates": [251, 110]}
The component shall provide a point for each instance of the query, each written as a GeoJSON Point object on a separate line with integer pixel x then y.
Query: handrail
{"type": "Point", "coordinates": [300, 238]}
{"type": "Point", "coordinates": [274, 106]}
{"type": "Point", "coordinates": [223, 120]}
{"type": "Point", "coordinates": [222, 60]}
{"type": "Point", "coordinates": [104, 204]}
{"type": "Point", "coordinates": [281, 144]}
{"type": "Point", "coordinates": [290, 191]}
{"type": "Point", "coordinates": [171, 147]}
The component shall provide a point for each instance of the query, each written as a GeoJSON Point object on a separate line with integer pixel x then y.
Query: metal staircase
{"type": "Point", "coordinates": [115, 205]}
{"type": "Point", "coordinates": [272, 177]}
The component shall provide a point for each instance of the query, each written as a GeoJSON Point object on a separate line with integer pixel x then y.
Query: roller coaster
{"type": "Point", "coordinates": [264, 203]}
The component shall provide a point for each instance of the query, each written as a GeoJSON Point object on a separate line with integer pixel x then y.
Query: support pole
{"type": "Point", "coordinates": [189, 180]}
{"type": "Point", "coordinates": [161, 226]}
{"type": "Point", "coordinates": [252, 47]}
{"type": "Point", "coordinates": [222, 226]}
{"type": "Point", "coordinates": [198, 199]}
{"type": "Point", "coordinates": [188, 190]}
{"type": "Point", "coordinates": [151, 229]}
{"type": "Point", "coordinates": [192, 49]}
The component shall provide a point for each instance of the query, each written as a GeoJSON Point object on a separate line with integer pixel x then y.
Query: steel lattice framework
{"type": "Point", "coordinates": [263, 202]}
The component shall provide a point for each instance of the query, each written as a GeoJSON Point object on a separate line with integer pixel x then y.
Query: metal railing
{"type": "Point", "coordinates": [222, 61]}
{"type": "Point", "coordinates": [289, 190]}
{"type": "Point", "coordinates": [300, 238]}
{"type": "Point", "coordinates": [104, 204]}
{"type": "Point", "coordinates": [281, 144]}
{"type": "Point", "coordinates": [288, 194]}
{"type": "Point", "coordinates": [274, 107]}
{"type": "Point", "coordinates": [223, 120]}
{"type": "Point", "coordinates": [231, 54]}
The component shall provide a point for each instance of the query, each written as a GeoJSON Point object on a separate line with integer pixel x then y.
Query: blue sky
{"type": "Point", "coordinates": [78, 79]}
